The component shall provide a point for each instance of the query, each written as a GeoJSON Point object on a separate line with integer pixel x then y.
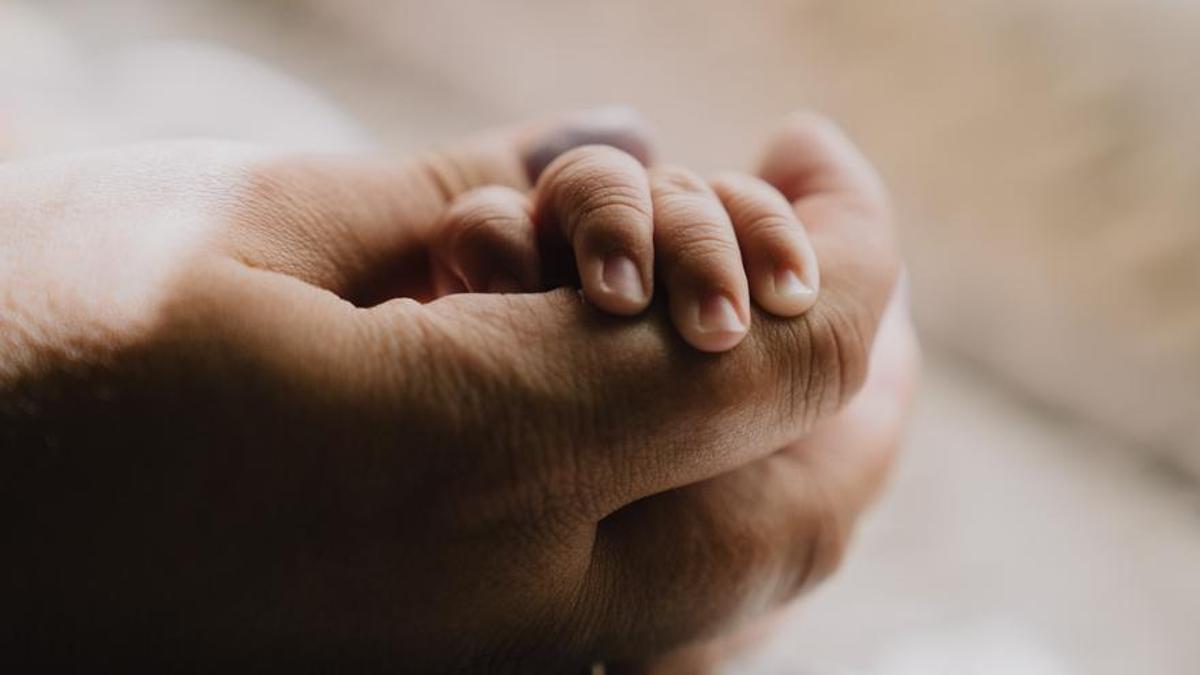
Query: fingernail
{"type": "Point", "coordinates": [789, 287]}
{"type": "Point", "coordinates": [716, 314]}
{"type": "Point", "coordinates": [621, 277]}
{"type": "Point", "coordinates": [618, 126]}
{"type": "Point", "coordinates": [503, 284]}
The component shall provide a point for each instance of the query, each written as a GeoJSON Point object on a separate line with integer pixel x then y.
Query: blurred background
{"type": "Point", "coordinates": [1045, 161]}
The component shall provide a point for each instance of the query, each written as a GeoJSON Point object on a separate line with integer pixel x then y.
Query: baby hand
{"type": "Point", "coordinates": [599, 214]}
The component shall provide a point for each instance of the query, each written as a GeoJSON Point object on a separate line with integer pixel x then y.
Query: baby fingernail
{"type": "Point", "coordinates": [716, 314]}
{"type": "Point", "coordinates": [621, 277]}
{"type": "Point", "coordinates": [788, 286]}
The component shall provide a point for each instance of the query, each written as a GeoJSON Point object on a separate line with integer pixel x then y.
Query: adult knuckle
{"type": "Point", "coordinates": [442, 175]}
{"type": "Point", "coordinates": [841, 351]}
{"type": "Point", "coordinates": [821, 360]}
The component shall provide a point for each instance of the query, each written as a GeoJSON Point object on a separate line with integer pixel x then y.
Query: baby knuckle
{"type": "Point", "coordinates": [769, 227]}
{"type": "Point", "coordinates": [580, 171]}
{"type": "Point", "coordinates": [608, 205]}
{"type": "Point", "coordinates": [587, 179]}
{"type": "Point", "coordinates": [609, 222]}
{"type": "Point", "coordinates": [699, 251]}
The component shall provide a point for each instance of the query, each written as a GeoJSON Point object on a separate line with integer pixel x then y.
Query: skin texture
{"type": "Point", "coordinates": [232, 436]}
{"type": "Point", "coordinates": [602, 215]}
{"type": "Point", "coordinates": [849, 454]}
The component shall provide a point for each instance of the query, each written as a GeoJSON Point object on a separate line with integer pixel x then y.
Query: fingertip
{"type": "Point", "coordinates": [784, 292]}
{"type": "Point", "coordinates": [713, 322]}
{"type": "Point", "coordinates": [617, 285]}
{"type": "Point", "coordinates": [779, 258]}
{"type": "Point", "coordinates": [792, 283]}
{"type": "Point", "coordinates": [597, 200]}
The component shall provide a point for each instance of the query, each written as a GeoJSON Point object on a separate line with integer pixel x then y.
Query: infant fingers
{"type": "Point", "coordinates": [700, 261]}
{"type": "Point", "coordinates": [596, 199]}
{"type": "Point", "coordinates": [487, 243]}
{"type": "Point", "coordinates": [780, 261]}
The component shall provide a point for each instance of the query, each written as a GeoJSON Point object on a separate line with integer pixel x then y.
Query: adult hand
{"type": "Point", "coordinates": [217, 448]}
{"type": "Point", "coordinates": [827, 479]}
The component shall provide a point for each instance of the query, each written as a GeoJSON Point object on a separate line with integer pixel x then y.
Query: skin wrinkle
{"type": "Point", "coordinates": [768, 227]}
{"type": "Point", "coordinates": [527, 463]}
{"type": "Point", "coordinates": [701, 243]}
{"type": "Point", "coordinates": [701, 251]}
{"type": "Point", "coordinates": [839, 367]}
{"type": "Point", "coordinates": [311, 234]}
{"type": "Point", "coordinates": [585, 191]}
{"type": "Point", "coordinates": [294, 250]}
{"type": "Point", "coordinates": [577, 195]}
{"type": "Point", "coordinates": [814, 379]}
{"type": "Point", "coordinates": [689, 205]}
{"type": "Point", "coordinates": [441, 174]}
{"type": "Point", "coordinates": [550, 488]}
{"type": "Point", "coordinates": [597, 461]}
{"type": "Point", "coordinates": [587, 224]}
{"type": "Point", "coordinates": [612, 445]}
